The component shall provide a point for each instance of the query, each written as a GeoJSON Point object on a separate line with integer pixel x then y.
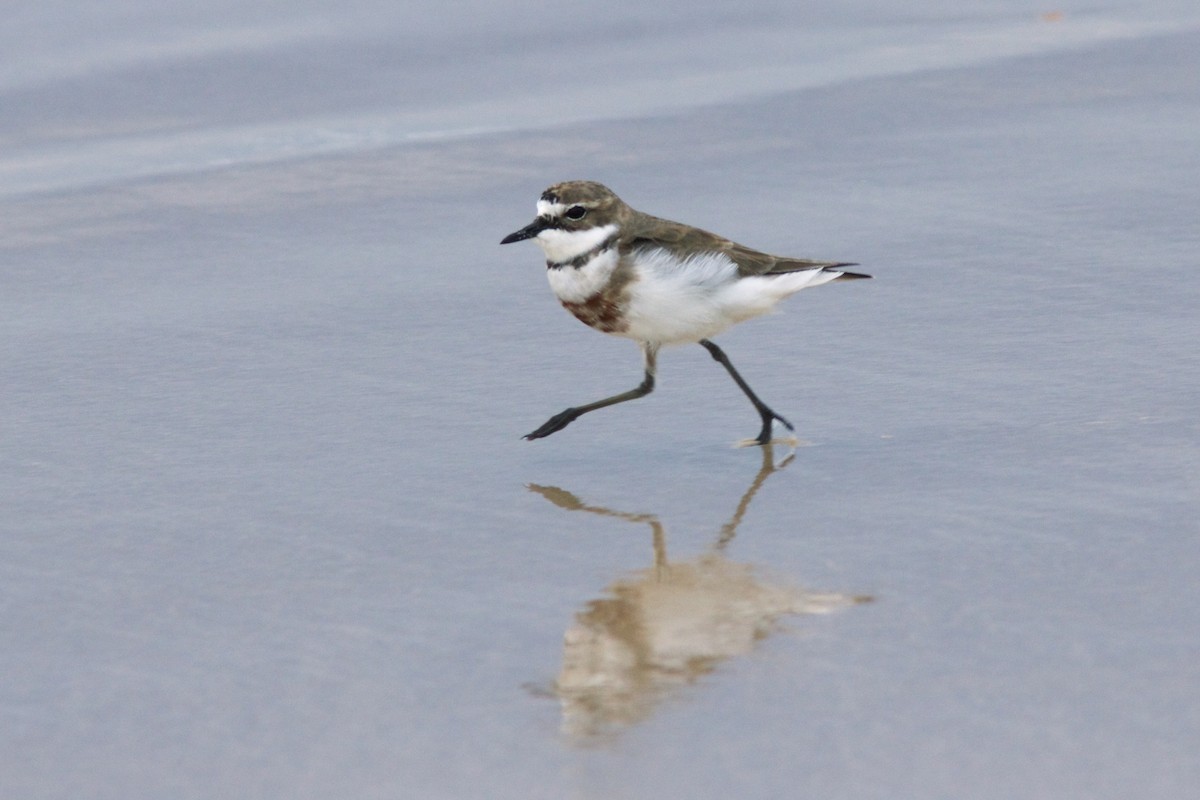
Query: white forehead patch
{"type": "Point", "coordinates": [547, 209]}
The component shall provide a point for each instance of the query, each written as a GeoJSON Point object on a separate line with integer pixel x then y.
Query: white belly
{"type": "Point", "coordinates": [675, 302]}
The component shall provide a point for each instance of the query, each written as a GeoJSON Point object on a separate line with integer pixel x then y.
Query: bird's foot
{"type": "Point", "coordinates": [554, 424]}
{"type": "Point", "coordinates": [764, 436]}
{"type": "Point", "coordinates": [768, 418]}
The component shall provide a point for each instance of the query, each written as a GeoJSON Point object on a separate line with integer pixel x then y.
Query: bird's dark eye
{"type": "Point", "coordinates": [576, 212]}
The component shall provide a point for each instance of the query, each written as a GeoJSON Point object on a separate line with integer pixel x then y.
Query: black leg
{"type": "Point", "coordinates": [762, 408]}
{"type": "Point", "coordinates": [565, 418]}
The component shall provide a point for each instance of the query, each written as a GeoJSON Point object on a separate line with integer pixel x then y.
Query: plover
{"type": "Point", "coordinates": [657, 282]}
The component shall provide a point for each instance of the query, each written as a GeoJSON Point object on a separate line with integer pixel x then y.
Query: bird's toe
{"type": "Point", "coordinates": [553, 425]}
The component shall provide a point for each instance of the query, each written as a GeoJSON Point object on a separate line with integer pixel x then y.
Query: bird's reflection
{"type": "Point", "coordinates": [663, 627]}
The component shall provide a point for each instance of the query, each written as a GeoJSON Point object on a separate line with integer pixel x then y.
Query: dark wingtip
{"type": "Point", "coordinates": [847, 276]}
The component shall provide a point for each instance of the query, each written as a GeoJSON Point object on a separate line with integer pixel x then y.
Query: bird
{"type": "Point", "coordinates": [658, 282]}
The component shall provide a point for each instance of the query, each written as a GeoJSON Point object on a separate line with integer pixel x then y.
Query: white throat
{"type": "Point", "coordinates": [560, 246]}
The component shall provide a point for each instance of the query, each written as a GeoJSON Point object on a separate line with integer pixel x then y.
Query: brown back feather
{"type": "Point", "coordinates": [643, 230]}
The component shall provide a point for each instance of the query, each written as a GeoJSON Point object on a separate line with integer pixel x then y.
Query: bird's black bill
{"type": "Point", "coordinates": [528, 232]}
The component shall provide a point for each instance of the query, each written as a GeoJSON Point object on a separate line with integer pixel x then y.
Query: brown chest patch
{"type": "Point", "coordinates": [605, 310]}
{"type": "Point", "coordinates": [601, 311]}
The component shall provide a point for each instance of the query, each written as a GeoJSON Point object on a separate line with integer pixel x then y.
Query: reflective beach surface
{"type": "Point", "coordinates": [269, 526]}
{"type": "Point", "coordinates": [667, 625]}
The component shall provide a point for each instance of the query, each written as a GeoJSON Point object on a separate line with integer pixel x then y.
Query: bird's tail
{"type": "Point", "coordinates": [785, 265]}
{"type": "Point", "coordinates": [849, 276]}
